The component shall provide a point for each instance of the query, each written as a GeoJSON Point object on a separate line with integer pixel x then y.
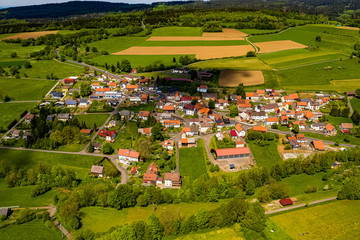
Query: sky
{"type": "Point", "coordinates": [15, 3]}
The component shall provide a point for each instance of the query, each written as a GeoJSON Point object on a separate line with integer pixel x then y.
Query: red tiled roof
{"type": "Point", "coordinates": [172, 122]}
{"type": "Point", "coordinates": [87, 131]}
{"type": "Point", "coordinates": [168, 108]}
{"type": "Point", "coordinates": [238, 127]}
{"type": "Point", "coordinates": [286, 202]}
{"type": "Point", "coordinates": [104, 133]}
{"type": "Point", "coordinates": [149, 177]}
{"type": "Point", "coordinates": [329, 127]}
{"type": "Point", "coordinates": [260, 129]}
{"type": "Point", "coordinates": [128, 153]}
{"type": "Point", "coordinates": [309, 115]}
{"type": "Point", "coordinates": [272, 119]}
{"type": "Point", "coordinates": [233, 133]}
{"type": "Point", "coordinates": [232, 151]}
{"type": "Point", "coordinates": [144, 113]}
{"type": "Point", "coordinates": [133, 169]}
{"type": "Point", "coordinates": [132, 86]}
{"type": "Point", "coordinates": [319, 145]}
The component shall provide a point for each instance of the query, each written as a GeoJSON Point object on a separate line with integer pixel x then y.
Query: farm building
{"type": "Point", "coordinates": [232, 153]}
{"type": "Point", "coordinates": [318, 145]}
{"type": "Point", "coordinates": [286, 202]}
{"type": "Point", "coordinates": [172, 179]}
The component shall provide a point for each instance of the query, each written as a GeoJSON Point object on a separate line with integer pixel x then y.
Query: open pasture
{"type": "Point", "coordinates": [116, 44]}
{"type": "Point", "coordinates": [192, 163]}
{"type": "Point", "coordinates": [334, 85]}
{"type": "Point", "coordinates": [27, 35]}
{"type": "Point", "coordinates": [177, 31]}
{"type": "Point", "coordinates": [25, 89]}
{"type": "Point", "coordinates": [201, 52]}
{"type": "Point", "coordinates": [6, 49]}
{"type": "Point", "coordinates": [232, 78]}
{"type": "Point", "coordinates": [11, 111]}
{"type": "Point", "coordinates": [336, 220]}
{"type": "Point", "coordinates": [231, 63]}
{"type": "Point", "coordinates": [274, 46]}
{"type": "Point", "coordinates": [226, 34]}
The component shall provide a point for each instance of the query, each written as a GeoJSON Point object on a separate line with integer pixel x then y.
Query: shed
{"type": "Point", "coordinates": [286, 202]}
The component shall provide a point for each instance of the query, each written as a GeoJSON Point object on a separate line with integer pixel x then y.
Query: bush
{"type": "Point", "coordinates": [287, 147]}
{"type": "Point", "coordinates": [311, 189]}
{"type": "Point", "coordinates": [251, 54]}
{"type": "Point", "coordinates": [25, 215]}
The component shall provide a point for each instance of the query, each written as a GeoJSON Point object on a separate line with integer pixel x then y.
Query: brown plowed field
{"type": "Point", "coordinates": [274, 46]}
{"type": "Point", "coordinates": [232, 78]}
{"type": "Point", "coordinates": [226, 34]}
{"type": "Point", "coordinates": [201, 52]}
{"type": "Point", "coordinates": [28, 35]}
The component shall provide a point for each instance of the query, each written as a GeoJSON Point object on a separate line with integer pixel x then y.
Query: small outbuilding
{"type": "Point", "coordinates": [97, 171]}
{"type": "Point", "coordinates": [286, 202]}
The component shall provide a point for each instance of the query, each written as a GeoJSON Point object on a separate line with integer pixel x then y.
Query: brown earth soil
{"type": "Point", "coordinates": [349, 28]}
{"type": "Point", "coordinates": [232, 78]}
{"type": "Point", "coordinates": [273, 46]}
{"type": "Point", "coordinates": [28, 35]}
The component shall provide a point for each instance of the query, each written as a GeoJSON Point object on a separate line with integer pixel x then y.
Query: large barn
{"type": "Point", "coordinates": [232, 153]}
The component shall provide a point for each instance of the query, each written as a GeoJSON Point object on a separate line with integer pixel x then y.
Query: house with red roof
{"type": "Point", "coordinates": [144, 115]}
{"type": "Point", "coordinates": [271, 121]}
{"type": "Point", "coordinates": [150, 176]}
{"type": "Point", "coordinates": [259, 129]}
{"type": "Point", "coordinates": [172, 123]}
{"type": "Point", "coordinates": [346, 127]}
{"type": "Point", "coordinates": [239, 130]}
{"type": "Point", "coordinates": [202, 88]}
{"type": "Point", "coordinates": [127, 156]}
{"type": "Point", "coordinates": [132, 88]}
{"type": "Point", "coordinates": [293, 142]}
{"type": "Point", "coordinates": [134, 170]}
{"type": "Point", "coordinates": [172, 179]}
{"type": "Point", "coordinates": [169, 109]}
{"type": "Point", "coordinates": [251, 96]}
{"type": "Point", "coordinates": [186, 99]}
{"type": "Point", "coordinates": [318, 145]}
{"type": "Point", "coordinates": [144, 98]}
{"type": "Point", "coordinates": [330, 130]}
{"type": "Point", "coordinates": [108, 135]}
{"type": "Point", "coordinates": [232, 153]}
{"type": "Point", "coordinates": [169, 144]}
{"type": "Point", "coordinates": [69, 81]}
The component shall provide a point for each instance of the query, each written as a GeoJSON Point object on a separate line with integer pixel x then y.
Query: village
{"type": "Point", "coordinates": [184, 119]}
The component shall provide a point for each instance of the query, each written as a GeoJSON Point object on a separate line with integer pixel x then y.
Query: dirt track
{"type": "Point", "coordinates": [226, 34]}
{"type": "Point", "coordinates": [273, 46]}
{"type": "Point", "coordinates": [28, 35]}
{"type": "Point", "coordinates": [232, 78]}
{"type": "Point", "coordinates": [201, 52]}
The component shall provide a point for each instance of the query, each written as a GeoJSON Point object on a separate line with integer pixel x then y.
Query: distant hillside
{"type": "Point", "coordinates": [73, 8]}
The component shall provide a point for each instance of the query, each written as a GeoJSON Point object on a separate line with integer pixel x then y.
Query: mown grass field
{"type": "Point", "coordinates": [34, 230]}
{"type": "Point", "coordinates": [177, 31]}
{"type": "Point", "coordinates": [355, 103]}
{"type": "Point", "coordinates": [317, 75]}
{"type": "Point", "coordinates": [90, 119]}
{"type": "Point", "coordinates": [42, 68]}
{"type": "Point", "coordinates": [193, 43]}
{"type": "Point", "coordinates": [27, 159]}
{"type": "Point", "coordinates": [25, 89]}
{"type": "Point", "coordinates": [336, 220]}
{"type": "Point", "coordinates": [136, 60]}
{"type": "Point", "coordinates": [21, 196]}
{"type": "Point", "coordinates": [231, 233]}
{"type": "Point", "coordinates": [11, 111]}
{"type": "Point", "coordinates": [299, 183]}
{"type": "Point", "coordinates": [192, 163]}
{"type": "Point", "coordinates": [265, 156]}
{"type": "Point", "coordinates": [116, 44]}
{"type": "Point", "coordinates": [100, 219]}
{"type": "Point", "coordinates": [256, 31]}
{"type": "Point", "coordinates": [231, 63]}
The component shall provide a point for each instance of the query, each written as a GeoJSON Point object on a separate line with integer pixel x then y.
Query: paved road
{"type": "Point", "coordinates": [299, 205]}
{"type": "Point", "coordinates": [256, 49]}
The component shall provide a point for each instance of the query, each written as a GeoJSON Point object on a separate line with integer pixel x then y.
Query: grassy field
{"type": "Point", "coordinates": [27, 159]}
{"type": "Point", "coordinates": [266, 156]}
{"type": "Point", "coordinates": [278, 234]}
{"type": "Point", "coordinates": [231, 233]}
{"type": "Point", "coordinates": [257, 31]}
{"type": "Point", "coordinates": [25, 89]}
{"type": "Point", "coordinates": [336, 121]}
{"type": "Point", "coordinates": [299, 183]}
{"type": "Point", "coordinates": [34, 230]}
{"type": "Point", "coordinates": [21, 196]}
{"type": "Point", "coordinates": [40, 69]}
{"type": "Point", "coordinates": [137, 108]}
{"type": "Point", "coordinates": [336, 220]}
{"type": "Point", "coordinates": [116, 44]}
{"type": "Point", "coordinates": [338, 138]}
{"type": "Point", "coordinates": [317, 75]}
{"type": "Point", "coordinates": [231, 63]}
{"type": "Point", "coordinates": [177, 31]}
{"type": "Point", "coordinates": [100, 219]}
{"type": "Point", "coordinates": [136, 60]}
{"type": "Point", "coordinates": [192, 163]}
{"type": "Point", "coordinates": [90, 119]}
{"type": "Point", "coordinates": [296, 57]}
{"type": "Point", "coordinates": [335, 86]}
{"type": "Point", "coordinates": [355, 103]}
{"type": "Point", "coordinates": [11, 111]}
{"type": "Point", "coordinates": [10, 63]}
{"type": "Point", "coordinates": [22, 52]}
{"type": "Point", "coordinates": [193, 43]}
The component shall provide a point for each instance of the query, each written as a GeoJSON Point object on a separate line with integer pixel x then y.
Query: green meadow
{"type": "Point", "coordinates": [90, 119]}
{"type": "Point", "coordinates": [192, 163]}
{"type": "Point", "coordinates": [117, 44]}
{"type": "Point", "coordinates": [22, 52]}
{"type": "Point", "coordinates": [355, 103]}
{"type": "Point", "coordinates": [11, 111]}
{"type": "Point", "coordinates": [265, 156]}
{"type": "Point", "coordinates": [177, 31]}
{"type": "Point", "coordinates": [231, 63]}
{"type": "Point", "coordinates": [34, 230]}
{"type": "Point", "coordinates": [25, 89]}
{"type": "Point", "coordinates": [257, 31]}
{"type": "Point", "coordinates": [42, 68]}
{"type": "Point", "coordinates": [11, 62]}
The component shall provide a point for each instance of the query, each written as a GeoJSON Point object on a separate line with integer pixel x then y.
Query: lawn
{"type": "Point", "coordinates": [21, 196]}
{"type": "Point", "coordinates": [34, 230]}
{"type": "Point", "coordinates": [116, 44]}
{"type": "Point", "coordinates": [90, 119]}
{"type": "Point", "coordinates": [121, 142]}
{"type": "Point", "coordinates": [193, 43]}
{"type": "Point", "coordinates": [137, 108]}
{"type": "Point", "coordinates": [177, 31]}
{"type": "Point", "coordinates": [27, 159]}
{"type": "Point", "coordinates": [11, 111]}
{"type": "Point", "coordinates": [22, 52]}
{"type": "Point", "coordinates": [100, 219]}
{"type": "Point", "coordinates": [278, 234]}
{"type": "Point", "coordinates": [231, 63]}
{"type": "Point", "coordinates": [231, 233]}
{"type": "Point", "coordinates": [192, 163]}
{"type": "Point", "coordinates": [136, 60]}
{"type": "Point", "coordinates": [299, 183]}
{"type": "Point", "coordinates": [336, 220]}
{"type": "Point", "coordinates": [25, 89]}
{"type": "Point", "coordinates": [265, 156]}
{"type": "Point", "coordinates": [42, 68]}
{"type": "Point", "coordinates": [355, 103]}
{"type": "Point", "coordinates": [317, 75]}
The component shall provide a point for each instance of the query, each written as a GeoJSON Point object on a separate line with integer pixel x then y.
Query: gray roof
{"type": "Point", "coordinates": [84, 101]}
{"type": "Point", "coordinates": [63, 116]}
{"type": "Point", "coordinates": [319, 124]}
{"type": "Point", "coordinates": [126, 113]}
